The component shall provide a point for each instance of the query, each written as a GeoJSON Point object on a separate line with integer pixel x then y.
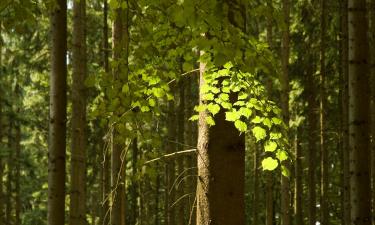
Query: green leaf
{"type": "Point", "coordinates": [245, 112]}
{"type": "Point", "coordinates": [242, 96]}
{"type": "Point", "coordinates": [257, 120]}
{"type": "Point", "coordinates": [200, 108]}
{"type": "Point", "coordinates": [259, 133]}
{"type": "Point", "coordinates": [125, 89]}
{"type": "Point", "coordinates": [210, 121]}
{"type": "Point", "coordinates": [275, 136]}
{"type": "Point", "coordinates": [269, 163]}
{"type": "Point", "coordinates": [281, 155]}
{"type": "Point", "coordinates": [208, 97]}
{"type": "Point", "coordinates": [276, 120]}
{"type": "Point", "coordinates": [231, 116]}
{"type": "Point", "coordinates": [226, 105]}
{"type": "Point", "coordinates": [145, 108]}
{"type": "Point", "coordinates": [267, 122]}
{"type": "Point", "coordinates": [224, 97]}
{"type": "Point", "coordinates": [151, 102]}
{"type": "Point", "coordinates": [228, 65]}
{"type": "Point", "coordinates": [194, 118]}
{"type": "Point", "coordinates": [270, 146]}
{"type": "Point", "coordinates": [241, 126]}
{"type": "Point", "coordinates": [284, 171]}
{"type": "Point", "coordinates": [213, 108]}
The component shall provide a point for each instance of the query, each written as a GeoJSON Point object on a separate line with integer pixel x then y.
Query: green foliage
{"type": "Point", "coordinates": [243, 100]}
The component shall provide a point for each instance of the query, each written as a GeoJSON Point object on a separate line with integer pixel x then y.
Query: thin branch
{"type": "Point", "coordinates": [172, 155]}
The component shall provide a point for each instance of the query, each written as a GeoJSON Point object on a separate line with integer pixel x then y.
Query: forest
{"type": "Point", "coordinates": [187, 112]}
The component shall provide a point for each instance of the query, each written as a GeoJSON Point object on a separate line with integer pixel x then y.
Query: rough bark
{"type": "Point", "coordinates": [345, 117]}
{"type": "Point", "coordinates": [323, 149]}
{"type": "Point", "coordinates": [57, 122]}
{"type": "Point", "coordinates": [312, 119]}
{"type": "Point", "coordinates": [256, 190]}
{"type": "Point", "coordinates": [372, 81]}
{"type": "Point", "coordinates": [359, 114]}
{"type": "Point", "coordinates": [77, 206]}
{"type": "Point", "coordinates": [170, 193]}
{"type": "Point", "coordinates": [181, 205]}
{"type": "Point", "coordinates": [120, 75]}
{"type": "Point", "coordinates": [105, 158]}
{"type": "Point", "coordinates": [298, 208]}
{"type": "Point", "coordinates": [134, 187]}
{"type": "Point", "coordinates": [284, 81]}
{"type": "Point", "coordinates": [17, 186]}
{"type": "Point", "coordinates": [2, 202]}
{"type": "Point", "coordinates": [221, 171]}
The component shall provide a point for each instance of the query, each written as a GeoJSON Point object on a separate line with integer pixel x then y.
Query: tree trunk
{"type": "Point", "coordinates": [134, 187]}
{"type": "Point", "coordinates": [57, 126]}
{"type": "Point", "coordinates": [120, 74]}
{"type": "Point", "coordinates": [105, 170]}
{"type": "Point", "coordinates": [17, 148]}
{"type": "Point", "coordinates": [372, 81]}
{"type": "Point", "coordinates": [359, 114]}
{"type": "Point", "coordinates": [284, 80]}
{"type": "Point", "coordinates": [9, 189]}
{"type": "Point", "coordinates": [256, 185]}
{"type": "Point", "coordinates": [312, 118]}
{"type": "Point", "coordinates": [78, 145]}
{"type": "Point", "coordinates": [170, 166]}
{"type": "Point", "coordinates": [345, 117]}
{"type": "Point", "coordinates": [298, 181]}
{"type": "Point", "coordinates": [181, 205]}
{"type": "Point", "coordinates": [323, 149]}
{"type": "Point", "coordinates": [2, 202]}
{"type": "Point", "coordinates": [221, 171]}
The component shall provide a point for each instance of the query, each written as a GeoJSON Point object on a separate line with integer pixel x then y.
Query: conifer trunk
{"type": "Point", "coordinates": [323, 149]}
{"type": "Point", "coordinates": [120, 75]}
{"type": "Point", "coordinates": [312, 119]}
{"type": "Point", "coordinates": [256, 185]}
{"type": "Point", "coordinates": [105, 158]}
{"type": "Point", "coordinates": [284, 80]}
{"type": "Point", "coordinates": [221, 171]}
{"type": "Point", "coordinates": [78, 144]}
{"type": "Point", "coordinates": [170, 216]}
{"type": "Point", "coordinates": [2, 202]}
{"type": "Point", "coordinates": [57, 123]}
{"type": "Point", "coordinates": [359, 114]}
{"type": "Point", "coordinates": [181, 205]}
{"type": "Point", "coordinates": [345, 116]}
{"type": "Point", "coordinates": [298, 181]}
{"type": "Point", "coordinates": [17, 188]}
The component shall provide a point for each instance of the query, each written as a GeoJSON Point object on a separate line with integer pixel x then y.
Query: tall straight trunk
{"type": "Point", "coordinates": [191, 143]}
{"type": "Point", "coordinates": [256, 185]}
{"type": "Point", "coordinates": [105, 158]}
{"type": "Point", "coordinates": [181, 205]}
{"type": "Point", "coordinates": [312, 118]}
{"type": "Point", "coordinates": [134, 187]}
{"type": "Point", "coordinates": [269, 176]}
{"type": "Point", "coordinates": [372, 81]}
{"type": "Point", "coordinates": [2, 202]}
{"type": "Point", "coordinates": [170, 194]}
{"type": "Point", "coordinates": [10, 167]}
{"type": "Point", "coordinates": [284, 80]}
{"type": "Point", "coordinates": [323, 149]}
{"type": "Point", "coordinates": [359, 114]}
{"type": "Point", "coordinates": [17, 186]}
{"type": "Point", "coordinates": [120, 74]}
{"type": "Point", "coordinates": [57, 123]}
{"type": "Point", "coordinates": [77, 207]}
{"type": "Point", "coordinates": [221, 170]}
{"type": "Point", "coordinates": [345, 116]}
{"type": "Point", "coordinates": [298, 181]}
